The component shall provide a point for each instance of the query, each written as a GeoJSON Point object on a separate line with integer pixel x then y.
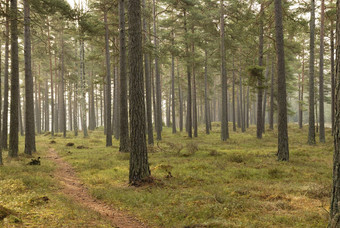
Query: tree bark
{"type": "Point", "coordinates": [271, 113]}
{"type": "Point", "coordinates": [334, 221]}
{"type": "Point", "coordinates": [108, 85]}
{"type": "Point", "coordinates": [139, 166]}
{"type": "Point", "coordinates": [124, 145]}
{"type": "Point", "coordinates": [233, 98]}
{"type": "Point", "coordinates": [206, 104]}
{"type": "Point", "coordinates": [259, 123]}
{"type": "Point", "coordinates": [158, 79]}
{"type": "Point", "coordinates": [29, 110]}
{"type": "Point", "coordinates": [147, 83]}
{"type": "Point", "coordinates": [189, 104]}
{"type": "Point", "coordinates": [332, 76]}
{"type": "Point", "coordinates": [180, 100]}
{"type": "Point", "coordinates": [321, 81]}
{"type": "Point", "coordinates": [173, 87]}
{"type": "Point", "coordinates": [283, 150]}
{"type": "Point", "coordinates": [14, 114]}
{"type": "Point", "coordinates": [224, 117]}
{"type": "Point", "coordinates": [51, 75]}
{"type": "Point", "coordinates": [311, 129]}
{"type": "Point", "coordinates": [4, 143]}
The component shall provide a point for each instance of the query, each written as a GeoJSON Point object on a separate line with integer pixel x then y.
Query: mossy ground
{"type": "Point", "coordinates": [199, 181]}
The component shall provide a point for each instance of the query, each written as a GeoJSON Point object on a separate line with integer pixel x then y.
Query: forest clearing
{"type": "Point", "coordinates": [212, 183]}
{"type": "Point", "coordinates": [170, 113]}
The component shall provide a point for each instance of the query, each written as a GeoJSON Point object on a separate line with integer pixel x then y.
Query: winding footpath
{"type": "Point", "coordinates": [73, 188]}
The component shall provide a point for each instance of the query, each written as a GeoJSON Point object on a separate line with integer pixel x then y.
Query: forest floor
{"type": "Point", "coordinates": [200, 182]}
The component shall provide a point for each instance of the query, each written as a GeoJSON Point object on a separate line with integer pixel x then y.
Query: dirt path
{"type": "Point", "coordinates": [72, 187]}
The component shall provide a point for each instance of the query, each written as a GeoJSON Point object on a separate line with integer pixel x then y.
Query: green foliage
{"type": "Point", "coordinates": [236, 188]}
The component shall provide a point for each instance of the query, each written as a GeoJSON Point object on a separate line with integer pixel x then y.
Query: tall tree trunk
{"type": "Point", "coordinates": [46, 108]}
{"type": "Point", "coordinates": [116, 117]}
{"type": "Point", "coordinates": [147, 83]}
{"type": "Point", "coordinates": [180, 100]}
{"type": "Point", "coordinates": [206, 104]}
{"type": "Point", "coordinates": [83, 89]}
{"type": "Point", "coordinates": [124, 145]}
{"type": "Point", "coordinates": [1, 163]}
{"type": "Point", "coordinates": [321, 86]}
{"type": "Point", "coordinates": [283, 150]}
{"type": "Point", "coordinates": [75, 109]}
{"type": "Point", "coordinates": [158, 78]}
{"type": "Point", "coordinates": [334, 221]}
{"type": "Point", "coordinates": [224, 117]}
{"type": "Point", "coordinates": [265, 97]}
{"type": "Point", "coordinates": [271, 113]}
{"type": "Point", "coordinates": [62, 105]}
{"type": "Point", "coordinates": [248, 108]}
{"type": "Point", "coordinates": [29, 110]}
{"type": "Point", "coordinates": [332, 76]}
{"type": "Point", "coordinates": [302, 90]}
{"type": "Point", "coordinates": [56, 94]}
{"type": "Point", "coordinates": [311, 129]}
{"type": "Point", "coordinates": [173, 87]}
{"type": "Point", "coordinates": [21, 124]}
{"type": "Point", "coordinates": [14, 114]}
{"type": "Point", "coordinates": [194, 96]}
{"type": "Point", "coordinates": [259, 123]}
{"type": "Point", "coordinates": [70, 94]}
{"type": "Point", "coordinates": [51, 75]}
{"type": "Point", "coordinates": [189, 105]}
{"type": "Point", "coordinates": [108, 85]}
{"type": "Point", "coordinates": [139, 166]}
{"type": "Point", "coordinates": [242, 109]}
{"type": "Point", "coordinates": [4, 143]}
{"type": "Point", "coordinates": [233, 98]}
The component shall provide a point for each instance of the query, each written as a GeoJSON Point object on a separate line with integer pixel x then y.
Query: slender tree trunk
{"type": "Point", "coordinates": [242, 109]}
{"type": "Point", "coordinates": [62, 89]}
{"type": "Point", "coordinates": [332, 77]}
{"type": "Point", "coordinates": [51, 75]}
{"type": "Point", "coordinates": [75, 110]}
{"type": "Point", "coordinates": [158, 79]}
{"type": "Point", "coordinates": [265, 98]}
{"type": "Point", "coordinates": [206, 104]}
{"type": "Point", "coordinates": [321, 86]}
{"type": "Point", "coordinates": [194, 96]}
{"type": "Point", "coordinates": [224, 117]}
{"type": "Point", "coordinates": [83, 89]}
{"type": "Point", "coordinates": [334, 221]}
{"type": "Point", "coordinates": [147, 83]}
{"type": "Point", "coordinates": [1, 163]}
{"type": "Point", "coordinates": [29, 110]}
{"type": "Point", "coordinates": [108, 85]}
{"type": "Point", "coordinates": [233, 99]}
{"type": "Point", "coordinates": [5, 112]}
{"type": "Point", "coordinates": [189, 105]}
{"type": "Point", "coordinates": [56, 94]}
{"type": "Point", "coordinates": [180, 100]}
{"type": "Point", "coordinates": [271, 113]}
{"type": "Point", "coordinates": [302, 91]}
{"type": "Point", "coordinates": [21, 124]}
{"type": "Point", "coordinates": [311, 129]}
{"type": "Point", "coordinates": [70, 94]}
{"type": "Point", "coordinates": [124, 145]}
{"type": "Point", "coordinates": [259, 123]}
{"type": "Point", "coordinates": [139, 166]}
{"type": "Point", "coordinates": [283, 150]}
{"type": "Point", "coordinates": [173, 87]}
{"type": "Point", "coordinates": [116, 117]}
{"type": "Point", "coordinates": [14, 114]}
{"type": "Point", "coordinates": [248, 108]}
